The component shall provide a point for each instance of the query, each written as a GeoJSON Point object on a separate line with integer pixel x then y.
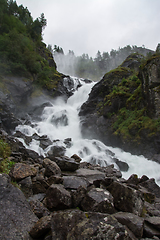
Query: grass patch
{"type": "Point", "coordinates": [5, 151]}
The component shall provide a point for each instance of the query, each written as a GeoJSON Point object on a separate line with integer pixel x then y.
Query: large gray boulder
{"type": "Point", "coordinates": [98, 200]}
{"type": "Point", "coordinates": [16, 216]}
{"type": "Point", "coordinates": [90, 175]}
{"type": "Point", "coordinates": [65, 163]}
{"type": "Point", "coordinates": [78, 225]}
{"type": "Point", "coordinates": [126, 199]}
{"type": "Point", "coordinates": [132, 221]}
{"type": "Point", "coordinates": [57, 197]}
{"type": "Point", "coordinates": [51, 168]}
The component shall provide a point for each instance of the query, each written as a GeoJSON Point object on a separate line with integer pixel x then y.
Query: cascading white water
{"type": "Point", "coordinates": [61, 121]}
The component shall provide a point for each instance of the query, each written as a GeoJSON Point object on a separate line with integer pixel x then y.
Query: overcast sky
{"type": "Point", "coordinates": [86, 26]}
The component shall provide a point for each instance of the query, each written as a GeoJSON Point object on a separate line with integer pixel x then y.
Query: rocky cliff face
{"type": "Point", "coordinates": [21, 98]}
{"type": "Point", "coordinates": [123, 108]}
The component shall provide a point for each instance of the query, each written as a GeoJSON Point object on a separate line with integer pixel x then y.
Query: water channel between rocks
{"type": "Point", "coordinates": [60, 121]}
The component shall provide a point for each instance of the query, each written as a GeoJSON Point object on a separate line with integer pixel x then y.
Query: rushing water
{"type": "Point", "coordinates": [61, 121]}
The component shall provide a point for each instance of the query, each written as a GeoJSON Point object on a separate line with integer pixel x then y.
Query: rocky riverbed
{"type": "Point", "coordinates": [64, 198]}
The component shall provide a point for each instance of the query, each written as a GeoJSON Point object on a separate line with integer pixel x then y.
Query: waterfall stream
{"type": "Point", "coordinates": [60, 121]}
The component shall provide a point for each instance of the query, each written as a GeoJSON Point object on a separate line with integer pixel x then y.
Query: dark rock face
{"type": "Point", "coordinates": [15, 212]}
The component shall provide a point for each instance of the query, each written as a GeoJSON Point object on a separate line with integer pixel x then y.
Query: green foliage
{"type": "Point", "coordinates": [22, 51]}
{"type": "Point", "coordinates": [4, 149]}
{"type": "Point", "coordinates": [130, 123]}
{"type": "Point", "coordinates": [5, 164]}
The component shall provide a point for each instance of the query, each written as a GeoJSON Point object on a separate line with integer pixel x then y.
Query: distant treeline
{"type": "Point", "coordinates": [93, 68]}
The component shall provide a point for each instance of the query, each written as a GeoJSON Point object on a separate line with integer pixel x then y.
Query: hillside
{"type": "Point", "coordinates": [22, 51]}
{"type": "Point", "coordinates": [123, 108]}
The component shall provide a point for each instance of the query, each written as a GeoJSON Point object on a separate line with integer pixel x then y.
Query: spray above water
{"type": "Point", "coordinates": [60, 121]}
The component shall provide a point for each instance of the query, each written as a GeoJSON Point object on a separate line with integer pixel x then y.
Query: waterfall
{"type": "Point", "coordinates": [60, 121]}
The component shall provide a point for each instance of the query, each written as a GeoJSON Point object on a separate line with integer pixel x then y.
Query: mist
{"type": "Point", "coordinates": [87, 67]}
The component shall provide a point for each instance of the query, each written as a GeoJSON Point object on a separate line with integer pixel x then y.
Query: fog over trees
{"type": "Point", "coordinates": [93, 68]}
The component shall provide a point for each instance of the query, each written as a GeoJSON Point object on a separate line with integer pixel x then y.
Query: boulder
{"type": "Point", "coordinates": [112, 172]}
{"type": "Point", "coordinates": [126, 199]}
{"type": "Point", "coordinates": [51, 168]}
{"type": "Point", "coordinates": [26, 186]}
{"type": "Point", "coordinates": [149, 231]}
{"type": "Point", "coordinates": [76, 158]}
{"type": "Point", "coordinates": [73, 182]}
{"type": "Point", "coordinates": [17, 217]}
{"type": "Point", "coordinates": [98, 200]}
{"type": "Point", "coordinates": [38, 208]}
{"type": "Point", "coordinates": [66, 163]}
{"type": "Point", "coordinates": [148, 196]}
{"type": "Point", "coordinates": [151, 186]}
{"type": "Point", "coordinates": [132, 221]}
{"type": "Point", "coordinates": [90, 175]}
{"type": "Point", "coordinates": [123, 166]}
{"type": "Point", "coordinates": [56, 151]}
{"type": "Point", "coordinates": [57, 197]}
{"type": "Point", "coordinates": [151, 209]}
{"type": "Point", "coordinates": [41, 227]}
{"type": "Point", "coordinates": [78, 195]}
{"type": "Point", "coordinates": [21, 171]}
{"type": "Point", "coordinates": [75, 224]}
{"type": "Point", "coordinates": [39, 186]}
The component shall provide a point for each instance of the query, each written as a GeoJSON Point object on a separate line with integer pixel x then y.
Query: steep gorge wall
{"type": "Point", "coordinates": [123, 108]}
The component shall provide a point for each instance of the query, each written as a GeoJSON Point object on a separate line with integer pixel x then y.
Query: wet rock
{"type": "Point", "coordinates": [112, 172]}
{"type": "Point", "coordinates": [126, 198]}
{"type": "Point", "coordinates": [76, 158]}
{"type": "Point", "coordinates": [57, 197]}
{"type": "Point", "coordinates": [73, 182]}
{"type": "Point", "coordinates": [68, 142]}
{"type": "Point", "coordinates": [133, 179]}
{"type": "Point", "coordinates": [98, 200]}
{"type": "Point", "coordinates": [41, 227]}
{"type": "Point", "coordinates": [44, 142]}
{"type": "Point", "coordinates": [151, 186]}
{"type": "Point", "coordinates": [60, 119]}
{"type": "Point", "coordinates": [132, 221]}
{"type": "Point", "coordinates": [66, 163]}
{"type": "Point", "coordinates": [36, 111]}
{"type": "Point", "coordinates": [21, 171]}
{"type": "Point", "coordinates": [79, 225]}
{"type": "Point", "coordinates": [56, 151]}
{"type": "Point", "coordinates": [51, 168]}
{"type": "Point", "coordinates": [123, 166]}
{"type": "Point", "coordinates": [90, 175]}
{"type": "Point", "coordinates": [17, 217]}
